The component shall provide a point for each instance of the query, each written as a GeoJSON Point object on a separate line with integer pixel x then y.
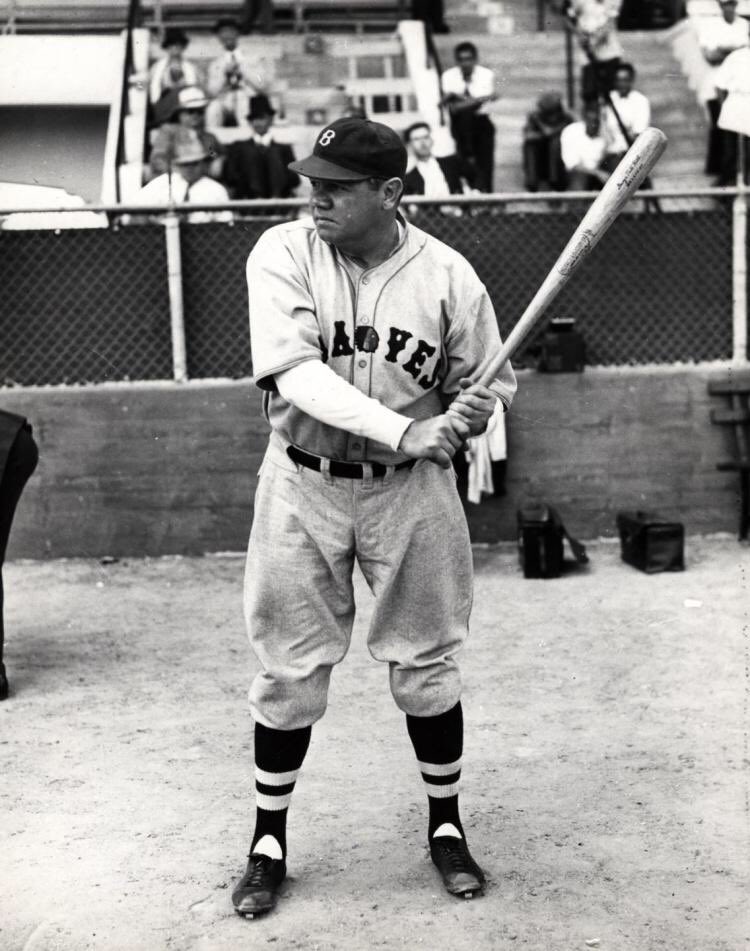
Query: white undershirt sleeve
{"type": "Point", "coordinates": [314, 388]}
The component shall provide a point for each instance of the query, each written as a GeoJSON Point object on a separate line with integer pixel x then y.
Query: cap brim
{"type": "Point", "coordinates": [316, 167]}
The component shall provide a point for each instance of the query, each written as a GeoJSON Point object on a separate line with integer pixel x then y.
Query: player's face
{"type": "Point", "coordinates": [344, 212]}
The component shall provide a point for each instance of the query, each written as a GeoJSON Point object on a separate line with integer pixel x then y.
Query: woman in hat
{"type": "Point", "coordinates": [172, 71]}
{"type": "Point", "coordinates": [186, 112]}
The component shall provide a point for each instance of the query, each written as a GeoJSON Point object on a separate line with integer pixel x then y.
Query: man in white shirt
{"type": "Point", "coordinates": [231, 79]}
{"type": "Point", "coordinates": [583, 150]}
{"type": "Point", "coordinates": [467, 89]}
{"type": "Point", "coordinates": [733, 87]}
{"type": "Point", "coordinates": [718, 37]}
{"type": "Point", "coordinates": [595, 24]}
{"type": "Point", "coordinates": [633, 110]}
{"type": "Point", "coordinates": [187, 182]}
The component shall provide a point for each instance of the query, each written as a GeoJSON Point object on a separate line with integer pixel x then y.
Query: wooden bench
{"type": "Point", "coordinates": [737, 390]}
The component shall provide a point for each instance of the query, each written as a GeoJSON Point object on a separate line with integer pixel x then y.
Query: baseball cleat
{"type": "Point", "coordinates": [461, 874]}
{"type": "Point", "coordinates": [256, 892]}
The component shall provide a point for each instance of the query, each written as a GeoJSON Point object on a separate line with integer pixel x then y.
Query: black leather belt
{"type": "Point", "coordinates": [343, 470]}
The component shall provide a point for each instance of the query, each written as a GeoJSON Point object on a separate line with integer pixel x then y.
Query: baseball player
{"type": "Point", "coordinates": [365, 332]}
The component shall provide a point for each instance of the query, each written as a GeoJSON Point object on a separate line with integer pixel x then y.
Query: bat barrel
{"type": "Point", "coordinates": [631, 172]}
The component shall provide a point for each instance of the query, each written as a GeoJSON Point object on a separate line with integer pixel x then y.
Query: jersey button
{"type": "Point", "coordinates": [363, 363]}
{"type": "Point", "coordinates": [363, 320]}
{"type": "Point", "coordinates": [365, 280]}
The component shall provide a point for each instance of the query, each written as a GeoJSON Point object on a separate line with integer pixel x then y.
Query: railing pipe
{"type": "Point", "coordinates": [176, 304]}
{"type": "Point", "coordinates": [739, 260]}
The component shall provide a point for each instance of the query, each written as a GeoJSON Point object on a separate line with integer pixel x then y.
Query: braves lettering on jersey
{"type": "Point", "coordinates": [404, 332]}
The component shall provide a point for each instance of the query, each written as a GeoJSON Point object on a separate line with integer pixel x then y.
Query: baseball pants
{"type": "Point", "coordinates": [407, 531]}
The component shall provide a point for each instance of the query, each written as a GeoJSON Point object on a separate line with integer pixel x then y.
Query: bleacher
{"type": "Point", "coordinates": [290, 16]}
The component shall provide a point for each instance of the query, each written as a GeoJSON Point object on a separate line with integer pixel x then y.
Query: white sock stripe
{"type": "Point", "coordinates": [272, 803]}
{"type": "Point", "coordinates": [441, 792]}
{"type": "Point", "coordinates": [439, 769]}
{"type": "Point", "coordinates": [276, 779]}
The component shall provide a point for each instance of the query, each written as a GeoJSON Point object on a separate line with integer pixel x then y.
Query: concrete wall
{"type": "Point", "coordinates": [156, 469]}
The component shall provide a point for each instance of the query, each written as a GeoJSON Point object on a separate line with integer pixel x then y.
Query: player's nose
{"type": "Point", "coordinates": [319, 196]}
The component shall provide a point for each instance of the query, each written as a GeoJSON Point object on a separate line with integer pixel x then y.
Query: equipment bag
{"type": "Point", "coordinates": [541, 536]}
{"type": "Point", "coordinates": [651, 543]}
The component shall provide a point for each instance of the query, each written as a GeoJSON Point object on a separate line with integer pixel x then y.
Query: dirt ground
{"type": "Point", "coordinates": [605, 789]}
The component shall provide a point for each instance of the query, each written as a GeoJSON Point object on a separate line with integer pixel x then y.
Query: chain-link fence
{"type": "Point", "coordinates": [83, 306]}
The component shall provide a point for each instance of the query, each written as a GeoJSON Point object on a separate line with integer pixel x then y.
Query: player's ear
{"type": "Point", "coordinates": [393, 188]}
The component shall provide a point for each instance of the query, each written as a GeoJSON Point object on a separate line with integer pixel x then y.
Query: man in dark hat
{"type": "Point", "coordinates": [365, 332]}
{"type": "Point", "coordinates": [231, 78]}
{"type": "Point", "coordinates": [257, 167]}
{"type": "Point", "coordinates": [172, 71]}
{"type": "Point", "coordinates": [18, 459]}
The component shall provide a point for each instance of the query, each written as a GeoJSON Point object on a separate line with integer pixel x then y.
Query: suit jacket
{"type": "Point", "coordinates": [454, 169]}
{"type": "Point", "coordinates": [259, 171]}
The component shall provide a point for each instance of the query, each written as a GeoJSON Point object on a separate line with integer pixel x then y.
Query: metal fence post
{"type": "Point", "coordinates": [739, 260]}
{"type": "Point", "coordinates": [176, 309]}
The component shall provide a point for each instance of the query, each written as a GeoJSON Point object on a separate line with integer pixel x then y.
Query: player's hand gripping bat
{"type": "Point", "coordinates": [635, 166]}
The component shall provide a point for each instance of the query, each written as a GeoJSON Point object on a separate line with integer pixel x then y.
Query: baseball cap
{"type": "Point", "coordinates": [353, 149]}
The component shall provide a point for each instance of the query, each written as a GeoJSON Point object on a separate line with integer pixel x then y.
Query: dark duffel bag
{"type": "Point", "coordinates": [650, 542]}
{"type": "Point", "coordinates": [541, 538]}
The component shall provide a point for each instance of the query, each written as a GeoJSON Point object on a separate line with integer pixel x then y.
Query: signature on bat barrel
{"type": "Point", "coordinates": [630, 175]}
{"type": "Point", "coordinates": [579, 250]}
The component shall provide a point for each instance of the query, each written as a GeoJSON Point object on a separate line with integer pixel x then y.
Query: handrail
{"type": "Point", "coordinates": [127, 69]}
{"type": "Point", "coordinates": [498, 198]}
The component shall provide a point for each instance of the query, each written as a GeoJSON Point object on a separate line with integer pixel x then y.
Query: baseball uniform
{"type": "Point", "coordinates": [404, 333]}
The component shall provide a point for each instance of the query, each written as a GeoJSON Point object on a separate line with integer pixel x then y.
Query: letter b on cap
{"type": "Point", "coordinates": [328, 136]}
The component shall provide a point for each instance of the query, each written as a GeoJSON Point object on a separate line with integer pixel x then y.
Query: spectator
{"type": "Point", "coordinates": [187, 182]}
{"type": "Point", "coordinates": [467, 89]}
{"type": "Point", "coordinates": [595, 23]}
{"type": "Point", "coordinates": [186, 109]}
{"type": "Point", "coordinates": [718, 37]}
{"type": "Point", "coordinates": [172, 71]}
{"type": "Point", "coordinates": [542, 161]}
{"type": "Point", "coordinates": [18, 459]}
{"type": "Point", "coordinates": [634, 111]}
{"type": "Point", "coordinates": [231, 79]}
{"type": "Point", "coordinates": [733, 85]}
{"type": "Point", "coordinates": [583, 151]}
{"type": "Point", "coordinates": [258, 12]}
{"type": "Point", "coordinates": [257, 167]}
{"type": "Point", "coordinates": [430, 176]}
{"type": "Point", "coordinates": [432, 12]}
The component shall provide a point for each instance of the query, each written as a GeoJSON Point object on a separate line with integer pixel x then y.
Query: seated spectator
{"type": "Point", "coordinates": [172, 71]}
{"type": "Point", "coordinates": [595, 23]}
{"type": "Point", "coordinates": [542, 161]}
{"type": "Point", "coordinates": [257, 167]}
{"type": "Point", "coordinates": [583, 151]}
{"type": "Point", "coordinates": [634, 111]}
{"type": "Point", "coordinates": [187, 182]}
{"type": "Point", "coordinates": [733, 86]}
{"type": "Point", "coordinates": [186, 109]}
{"type": "Point", "coordinates": [231, 79]}
{"type": "Point", "coordinates": [718, 37]}
{"type": "Point", "coordinates": [430, 176]}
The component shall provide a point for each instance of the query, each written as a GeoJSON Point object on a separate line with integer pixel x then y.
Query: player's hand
{"type": "Point", "coordinates": [436, 438]}
{"type": "Point", "coordinates": [474, 406]}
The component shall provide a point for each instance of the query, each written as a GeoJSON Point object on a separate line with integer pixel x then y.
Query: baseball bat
{"type": "Point", "coordinates": [634, 167]}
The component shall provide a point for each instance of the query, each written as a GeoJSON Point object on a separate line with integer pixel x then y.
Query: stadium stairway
{"type": "Point", "coordinates": [529, 63]}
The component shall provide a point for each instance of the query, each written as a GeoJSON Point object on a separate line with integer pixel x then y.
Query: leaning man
{"type": "Point", "coordinates": [365, 334]}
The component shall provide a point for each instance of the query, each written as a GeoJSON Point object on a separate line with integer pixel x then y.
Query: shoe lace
{"type": "Point", "coordinates": [260, 865]}
{"type": "Point", "coordinates": [456, 855]}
